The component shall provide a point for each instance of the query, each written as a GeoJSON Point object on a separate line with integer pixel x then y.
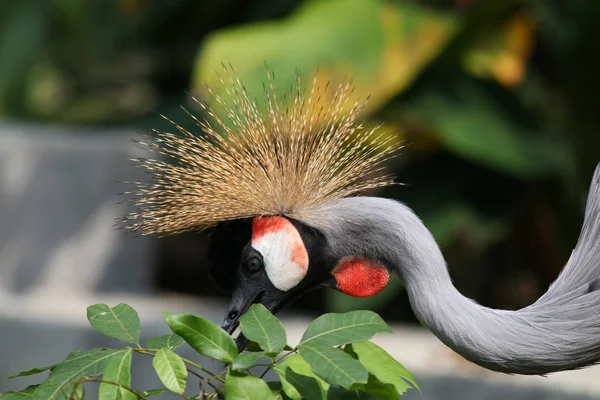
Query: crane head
{"type": "Point", "coordinates": [269, 260]}
{"type": "Point", "coordinates": [274, 260]}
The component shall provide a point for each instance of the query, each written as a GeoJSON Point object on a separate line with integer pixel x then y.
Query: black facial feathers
{"type": "Point", "coordinates": [230, 244]}
{"type": "Point", "coordinates": [227, 243]}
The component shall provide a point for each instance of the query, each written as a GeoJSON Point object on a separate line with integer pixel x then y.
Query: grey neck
{"type": "Point", "coordinates": [548, 336]}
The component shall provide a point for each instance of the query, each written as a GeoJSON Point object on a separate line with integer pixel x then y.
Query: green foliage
{"type": "Point", "coordinates": [333, 365]}
{"type": "Point", "coordinates": [171, 370]}
{"type": "Point", "coordinates": [259, 325]}
{"type": "Point", "coordinates": [379, 363]}
{"type": "Point", "coordinates": [246, 360]}
{"type": "Point", "coordinates": [240, 386]}
{"type": "Point", "coordinates": [154, 392]}
{"type": "Point", "coordinates": [171, 341]}
{"type": "Point", "coordinates": [120, 322]}
{"type": "Point", "coordinates": [303, 379]}
{"type": "Point", "coordinates": [302, 386]}
{"type": "Point", "coordinates": [335, 359]}
{"type": "Point", "coordinates": [204, 336]}
{"type": "Point", "coordinates": [117, 370]}
{"type": "Point", "coordinates": [371, 41]}
{"type": "Point", "coordinates": [32, 371]}
{"type": "Point", "coordinates": [62, 379]}
{"type": "Point", "coordinates": [337, 329]}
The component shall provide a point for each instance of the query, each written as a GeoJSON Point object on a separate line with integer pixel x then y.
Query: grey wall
{"type": "Point", "coordinates": [58, 202]}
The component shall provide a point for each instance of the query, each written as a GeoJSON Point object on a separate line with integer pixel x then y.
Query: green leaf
{"type": "Point", "coordinates": [337, 329]}
{"type": "Point", "coordinates": [32, 371]}
{"type": "Point", "coordinates": [287, 387]}
{"type": "Point", "coordinates": [307, 386]}
{"type": "Point", "coordinates": [25, 394]}
{"type": "Point", "coordinates": [379, 390]}
{"type": "Point", "coordinates": [25, 34]}
{"type": "Point", "coordinates": [383, 366]}
{"type": "Point", "coordinates": [337, 393]}
{"type": "Point", "coordinates": [89, 363]}
{"type": "Point", "coordinates": [481, 125]}
{"type": "Point", "coordinates": [171, 370]}
{"type": "Point", "coordinates": [333, 365]}
{"type": "Point", "coordinates": [204, 336]}
{"type": "Point", "coordinates": [153, 392]}
{"type": "Point", "coordinates": [259, 325]}
{"type": "Point", "coordinates": [120, 322]}
{"type": "Point", "coordinates": [239, 386]}
{"type": "Point", "coordinates": [301, 367]}
{"type": "Point", "coordinates": [117, 370]}
{"type": "Point", "coordinates": [374, 42]}
{"type": "Point", "coordinates": [275, 386]}
{"type": "Point", "coordinates": [246, 360]}
{"type": "Point", "coordinates": [171, 341]}
{"type": "Point", "coordinates": [77, 392]}
{"type": "Point", "coordinates": [253, 347]}
{"type": "Point", "coordinates": [71, 355]}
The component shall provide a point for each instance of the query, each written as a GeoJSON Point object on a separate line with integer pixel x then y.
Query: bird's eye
{"type": "Point", "coordinates": [253, 264]}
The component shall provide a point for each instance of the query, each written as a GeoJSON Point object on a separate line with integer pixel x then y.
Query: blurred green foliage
{"type": "Point", "coordinates": [496, 99]}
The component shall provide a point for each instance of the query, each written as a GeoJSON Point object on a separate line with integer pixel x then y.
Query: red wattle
{"type": "Point", "coordinates": [358, 277]}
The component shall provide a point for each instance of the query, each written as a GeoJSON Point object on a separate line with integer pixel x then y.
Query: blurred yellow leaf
{"type": "Point", "coordinates": [504, 54]}
{"type": "Point", "coordinates": [381, 45]}
{"type": "Point", "coordinates": [130, 6]}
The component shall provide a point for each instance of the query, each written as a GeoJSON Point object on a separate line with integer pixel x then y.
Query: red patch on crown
{"type": "Point", "coordinates": [262, 226]}
{"type": "Point", "coordinates": [358, 277]}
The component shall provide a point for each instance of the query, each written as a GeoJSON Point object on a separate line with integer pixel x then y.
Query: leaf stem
{"type": "Point", "coordinates": [275, 361]}
{"type": "Point", "coordinates": [152, 352]}
{"type": "Point", "coordinates": [217, 377]}
{"type": "Point", "coordinates": [202, 378]}
{"type": "Point", "coordinates": [285, 355]}
{"type": "Point", "coordinates": [201, 368]}
{"type": "Point", "coordinates": [139, 394]}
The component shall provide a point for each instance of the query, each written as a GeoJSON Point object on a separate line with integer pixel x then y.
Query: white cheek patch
{"type": "Point", "coordinates": [284, 255]}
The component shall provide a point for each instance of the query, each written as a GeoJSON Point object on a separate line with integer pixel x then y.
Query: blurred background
{"type": "Point", "coordinates": [496, 99]}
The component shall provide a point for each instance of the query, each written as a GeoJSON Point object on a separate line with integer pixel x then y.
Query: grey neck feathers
{"type": "Point", "coordinates": [560, 331]}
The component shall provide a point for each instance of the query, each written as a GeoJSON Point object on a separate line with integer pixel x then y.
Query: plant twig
{"type": "Point", "coordinates": [151, 352]}
{"type": "Point", "coordinates": [201, 368]}
{"type": "Point", "coordinates": [139, 394]}
{"type": "Point", "coordinates": [217, 377]}
{"type": "Point", "coordinates": [285, 355]}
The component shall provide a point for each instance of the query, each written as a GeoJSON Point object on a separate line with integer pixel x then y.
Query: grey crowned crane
{"type": "Point", "coordinates": [280, 191]}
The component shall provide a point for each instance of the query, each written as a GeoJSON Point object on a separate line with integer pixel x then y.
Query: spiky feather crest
{"type": "Point", "coordinates": [286, 161]}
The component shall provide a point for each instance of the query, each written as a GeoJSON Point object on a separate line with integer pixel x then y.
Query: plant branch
{"type": "Point", "coordinates": [285, 355]}
{"type": "Point", "coordinates": [152, 353]}
{"type": "Point", "coordinates": [139, 394]}
{"type": "Point", "coordinates": [201, 368]}
{"type": "Point", "coordinates": [217, 377]}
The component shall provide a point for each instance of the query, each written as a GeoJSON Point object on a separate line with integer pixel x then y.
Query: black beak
{"type": "Point", "coordinates": [239, 304]}
{"type": "Point", "coordinates": [246, 293]}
